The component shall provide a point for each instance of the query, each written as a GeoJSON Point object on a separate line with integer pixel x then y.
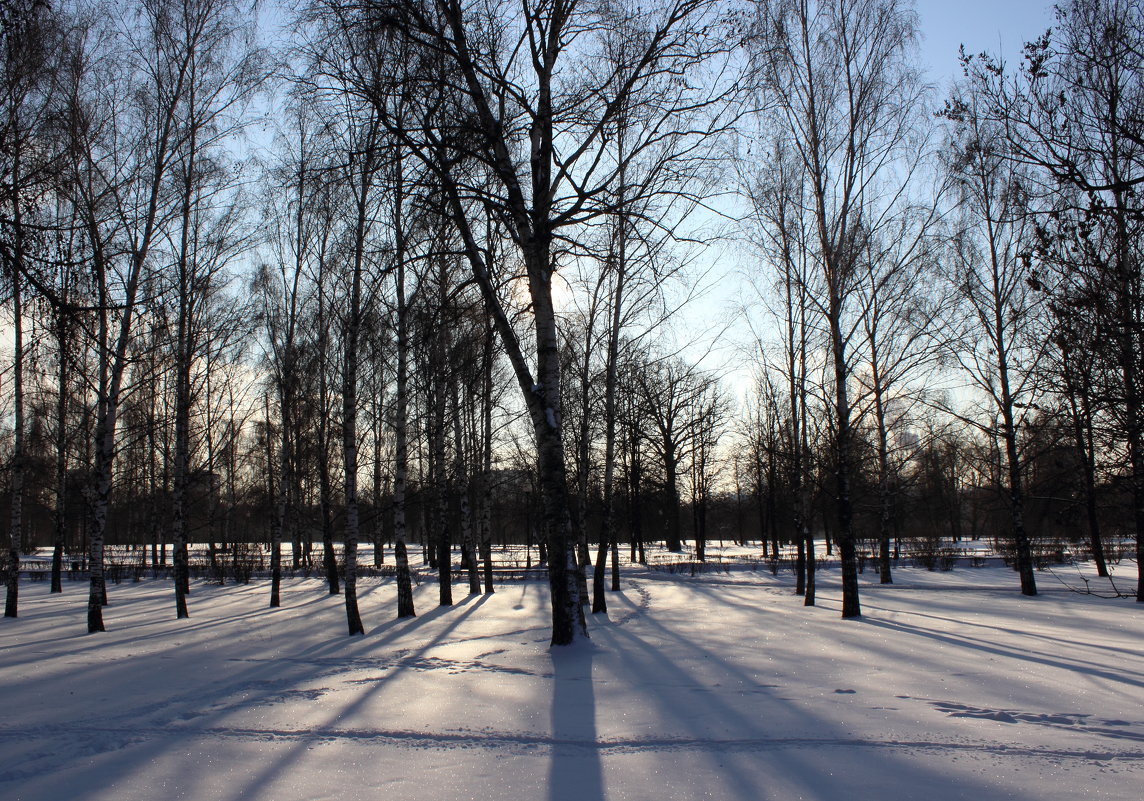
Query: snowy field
{"type": "Point", "coordinates": [721, 686]}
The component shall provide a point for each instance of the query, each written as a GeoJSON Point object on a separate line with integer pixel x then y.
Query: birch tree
{"type": "Point", "coordinates": [535, 108]}
{"type": "Point", "coordinates": [843, 94]}
{"type": "Point", "coordinates": [126, 133]}
{"type": "Point", "coordinates": [29, 33]}
{"type": "Point", "coordinates": [995, 336]}
{"type": "Point", "coordinates": [222, 71]}
{"type": "Point", "coordinates": [1072, 117]}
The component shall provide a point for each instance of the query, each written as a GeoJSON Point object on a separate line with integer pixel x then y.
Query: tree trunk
{"type": "Point", "coordinates": [487, 460]}
{"type": "Point", "coordinates": [611, 374]}
{"type": "Point", "coordinates": [811, 568]}
{"type": "Point", "coordinates": [468, 544]}
{"type": "Point", "coordinates": [182, 365]}
{"type": "Point", "coordinates": [400, 422]}
{"type": "Point", "coordinates": [325, 488]}
{"type": "Point", "coordinates": [15, 544]}
{"type": "Point", "coordinates": [800, 563]}
{"type": "Point", "coordinates": [885, 495]}
{"type": "Point", "coordinates": [59, 514]}
{"type": "Point", "coordinates": [377, 528]}
{"type": "Point", "coordinates": [673, 537]}
{"type": "Point", "coordinates": [440, 517]}
{"type": "Point", "coordinates": [349, 438]}
{"type": "Point", "coordinates": [1024, 552]}
{"type": "Point", "coordinates": [1084, 438]}
{"type": "Point", "coordinates": [279, 531]}
{"type": "Point", "coordinates": [845, 534]}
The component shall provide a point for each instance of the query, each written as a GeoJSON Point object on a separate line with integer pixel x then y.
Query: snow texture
{"type": "Point", "coordinates": [721, 685]}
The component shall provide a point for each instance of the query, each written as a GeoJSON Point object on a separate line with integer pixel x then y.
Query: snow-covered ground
{"type": "Point", "coordinates": [722, 686]}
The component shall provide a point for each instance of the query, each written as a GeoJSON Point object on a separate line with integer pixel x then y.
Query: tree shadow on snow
{"type": "Point", "coordinates": [575, 772]}
{"type": "Point", "coordinates": [713, 712]}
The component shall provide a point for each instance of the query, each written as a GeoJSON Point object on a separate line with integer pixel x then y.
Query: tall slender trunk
{"type": "Point", "coordinates": [799, 563]}
{"type": "Point", "coordinates": [761, 493]}
{"type": "Point", "coordinates": [437, 404]}
{"type": "Point", "coordinates": [635, 500]}
{"type": "Point", "coordinates": [772, 506]}
{"type": "Point", "coordinates": [1129, 310]}
{"type": "Point", "coordinates": [460, 468]}
{"type": "Point", "coordinates": [811, 567]}
{"type": "Point", "coordinates": [182, 449]}
{"type": "Point", "coordinates": [15, 544]}
{"type": "Point", "coordinates": [401, 412]}
{"type": "Point", "coordinates": [568, 623]}
{"type": "Point", "coordinates": [885, 493]}
{"type": "Point", "coordinates": [349, 421]}
{"type": "Point", "coordinates": [532, 217]}
{"type": "Point", "coordinates": [376, 527]}
{"type": "Point", "coordinates": [59, 514]}
{"type": "Point", "coordinates": [112, 365]}
{"type": "Point", "coordinates": [673, 536]}
{"type": "Point", "coordinates": [280, 530]}
{"type": "Point", "coordinates": [1085, 441]}
{"type": "Point", "coordinates": [583, 456]}
{"type": "Point", "coordinates": [487, 459]}
{"type": "Point", "coordinates": [1021, 544]}
{"type": "Point", "coordinates": [105, 456]}
{"type": "Point", "coordinates": [611, 375]}
{"type": "Point", "coordinates": [1017, 507]}
{"type": "Point", "coordinates": [286, 525]}
{"type": "Point", "coordinates": [282, 523]}
{"type": "Point", "coordinates": [272, 501]}
{"type": "Point", "coordinates": [845, 534]}
{"type": "Point", "coordinates": [325, 488]}
{"type": "Point", "coordinates": [182, 364]}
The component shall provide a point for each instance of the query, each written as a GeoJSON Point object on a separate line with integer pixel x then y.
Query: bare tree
{"type": "Point", "coordinates": [994, 334]}
{"type": "Point", "coordinates": [844, 95]}
{"type": "Point", "coordinates": [534, 124]}
{"type": "Point", "coordinates": [30, 34]}
{"type": "Point", "coordinates": [674, 396]}
{"type": "Point", "coordinates": [369, 157]}
{"type": "Point", "coordinates": [1072, 115]}
{"type": "Point", "coordinates": [707, 424]}
{"type": "Point", "coordinates": [899, 313]}
{"type": "Point", "coordinates": [126, 134]}
{"type": "Point", "coordinates": [785, 237]}
{"type": "Point", "coordinates": [300, 216]}
{"type": "Point", "coordinates": [220, 74]}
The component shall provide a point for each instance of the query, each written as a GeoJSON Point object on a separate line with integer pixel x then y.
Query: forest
{"type": "Point", "coordinates": [283, 281]}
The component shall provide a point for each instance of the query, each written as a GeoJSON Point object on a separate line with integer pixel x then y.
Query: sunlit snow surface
{"type": "Point", "coordinates": [722, 686]}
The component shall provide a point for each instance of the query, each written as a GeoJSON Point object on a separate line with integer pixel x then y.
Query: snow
{"type": "Point", "coordinates": [720, 685]}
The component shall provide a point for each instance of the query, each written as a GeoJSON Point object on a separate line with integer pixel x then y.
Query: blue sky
{"type": "Point", "coordinates": [991, 25]}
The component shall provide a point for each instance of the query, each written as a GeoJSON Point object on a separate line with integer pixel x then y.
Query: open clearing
{"type": "Point", "coordinates": [952, 686]}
